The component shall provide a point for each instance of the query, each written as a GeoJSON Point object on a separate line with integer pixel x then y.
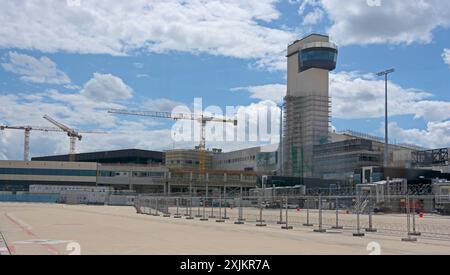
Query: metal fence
{"type": "Point", "coordinates": [406, 216]}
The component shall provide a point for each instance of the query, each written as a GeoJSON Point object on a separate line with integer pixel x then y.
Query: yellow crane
{"type": "Point", "coordinates": [202, 119]}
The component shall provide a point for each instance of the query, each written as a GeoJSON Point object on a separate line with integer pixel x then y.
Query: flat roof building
{"type": "Point", "coordinates": [127, 156]}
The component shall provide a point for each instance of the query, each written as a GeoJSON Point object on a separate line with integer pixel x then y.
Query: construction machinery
{"type": "Point", "coordinates": [201, 118]}
{"type": "Point", "coordinates": [72, 133]}
{"type": "Point", "coordinates": [27, 130]}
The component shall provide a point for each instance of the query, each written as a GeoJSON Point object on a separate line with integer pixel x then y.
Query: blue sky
{"type": "Point", "coordinates": [76, 61]}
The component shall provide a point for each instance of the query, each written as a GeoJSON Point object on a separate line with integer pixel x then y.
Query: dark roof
{"type": "Point", "coordinates": [127, 156]}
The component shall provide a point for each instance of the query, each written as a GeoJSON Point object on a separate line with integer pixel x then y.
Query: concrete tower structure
{"type": "Point", "coordinates": [307, 104]}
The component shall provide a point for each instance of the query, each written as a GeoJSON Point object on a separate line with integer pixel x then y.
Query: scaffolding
{"type": "Point", "coordinates": [307, 120]}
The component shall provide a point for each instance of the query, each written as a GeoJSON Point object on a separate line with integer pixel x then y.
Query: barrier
{"type": "Point", "coordinates": [342, 214]}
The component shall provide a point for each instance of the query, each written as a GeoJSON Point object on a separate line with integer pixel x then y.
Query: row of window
{"type": "Point", "coordinates": [48, 172]}
{"type": "Point", "coordinates": [236, 160]}
{"type": "Point", "coordinates": [319, 55]}
{"type": "Point", "coordinates": [110, 174]}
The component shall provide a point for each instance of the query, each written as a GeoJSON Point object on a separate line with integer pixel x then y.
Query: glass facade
{"type": "Point", "coordinates": [48, 172]}
{"type": "Point", "coordinates": [321, 58]}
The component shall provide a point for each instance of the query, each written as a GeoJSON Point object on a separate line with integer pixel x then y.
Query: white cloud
{"type": "Point", "coordinates": [399, 21]}
{"type": "Point", "coordinates": [107, 87]}
{"type": "Point", "coordinates": [273, 92]}
{"type": "Point", "coordinates": [72, 87]}
{"type": "Point", "coordinates": [437, 135]}
{"type": "Point", "coordinates": [160, 104]}
{"type": "Point", "coordinates": [446, 56]}
{"type": "Point", "coordinates": [313, 17]}
{"type": "Point", "coordinates": [31, 69]}
{"type": "Point", "coordinates": [219, 27]}
{"type": "Point", "coordinates": [356, 96]}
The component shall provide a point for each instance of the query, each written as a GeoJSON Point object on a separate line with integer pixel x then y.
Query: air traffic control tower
{"type": "Point", "coordinates": [307, 104]}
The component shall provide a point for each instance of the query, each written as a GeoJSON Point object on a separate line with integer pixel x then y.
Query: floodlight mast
{"type": "Point", "coordinates": [386, 125]}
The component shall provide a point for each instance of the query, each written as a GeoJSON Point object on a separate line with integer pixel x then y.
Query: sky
{"type": "Point", "coordinates": [76, 59]}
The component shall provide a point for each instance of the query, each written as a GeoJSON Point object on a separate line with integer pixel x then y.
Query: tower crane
{"type": "Point", "coordinates": [27, 130]}
{"type": "Point", "coordinates": [72, 133]}
{"type": "Point", "coordinates": [202, 119]}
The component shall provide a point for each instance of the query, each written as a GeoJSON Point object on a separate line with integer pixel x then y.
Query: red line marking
{"type": "Point", "coordinates": [11, 249]}
{"type": "Point", "coordinates": [49, 247]}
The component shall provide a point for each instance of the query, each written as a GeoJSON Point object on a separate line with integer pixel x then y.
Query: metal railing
{"type": "Point", "coordinates": [406, 216]}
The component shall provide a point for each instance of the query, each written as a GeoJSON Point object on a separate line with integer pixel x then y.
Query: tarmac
{"type": "Point", "coordinates": [54, 229]}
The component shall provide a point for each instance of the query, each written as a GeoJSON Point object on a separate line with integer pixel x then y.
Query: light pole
{"type": "Point", "coordinates": [386, 125]}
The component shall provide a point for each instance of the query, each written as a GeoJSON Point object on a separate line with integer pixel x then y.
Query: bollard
{"type": "Point", "coordinates": [371, 228]}
{"type": "Point", "coordinates": [280, 221]}
{"type": "Point", "coordinates": [241, 219]}
{"type": "Point", "coordinates": [307, 215]}
{"type": "Point", "coordinates": [414, 232]}
{"type": "Point", "coordinates": [204, 218]}
{"type": "Point", "coordinates": [337, 226]}
{"type": "Point", "coordinates": [287, 227]}
{"type": "Point", "coordinates": [320, 229]}
{"type": "Point", "coordinates": [177, 214]}
{"type": "Point", "coordinates": [220, 211]}
{"type": "Point", "coordinates": [358, 224]}
{"type": "Point", "coordinates": [408, 222]}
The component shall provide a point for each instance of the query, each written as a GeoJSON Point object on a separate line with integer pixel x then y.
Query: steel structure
{"type": "Point", "coordinates": [27, 130]}
{"type": "Point", "coordinates": [72, 133]}
{"type": "Point", "coordinates": [202, 119]}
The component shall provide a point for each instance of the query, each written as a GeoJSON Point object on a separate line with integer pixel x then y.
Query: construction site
{"type": "Point", "coordinates": [316, 191]}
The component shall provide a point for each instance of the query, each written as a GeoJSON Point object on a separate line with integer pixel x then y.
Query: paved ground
{"type": "Point", "coordinates": [60, 229]}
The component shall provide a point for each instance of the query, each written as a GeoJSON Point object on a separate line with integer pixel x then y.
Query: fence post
{"type": "Point", "coordinates": [199, 215]}
{"type": "Point", "coordinates": [156, 208]}
{"type": "Point", "coordinates": [220, 211]}
{"type": "Point", "coordinates": [190, 217]}
{"type": "Point", "coordinates": [280, 221]}
{"type": "Point", "coordinates": [408, 221]}
{"type": "Point", "coordinates": [414, 232]}
{"type": "Point", "coordinates": [320, 229]}
{"type": "Point", "coordinates": [358, 224]}
{"type": "Point", "coordinates": [204, 218]}
{"type": "Point", "coordinates": [337, 226]}
{"type": "Point", "coordinates": [371, 206]}
{"type": "Point", "coordinates": [166, 208]}
{"type": "Point", "coordinates": [225, 217]}
{"type": "Point", "coordinates": [287, 227]}
{"type": "Point", "coordinates": [307, 214]}
{"type": "Point", "coordinates": [260, 222]}
{"type": "Point", "coordinates": [241, 219]}
{"type": "Point", "coordinates": [150, 207]}
{"type": "Point", "coordinates": [212, 209]}
{"type": "Point", "coordinates": [177, 215]}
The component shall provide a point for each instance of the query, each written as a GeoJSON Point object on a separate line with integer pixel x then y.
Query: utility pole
{"type": "Point", "coordinates": [386, 125]}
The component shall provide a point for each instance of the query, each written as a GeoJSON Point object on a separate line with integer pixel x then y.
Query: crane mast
{"type": "Point", "coordinates": [71, 133]}
{"type": "Point", "coordinates": [27, 131]}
